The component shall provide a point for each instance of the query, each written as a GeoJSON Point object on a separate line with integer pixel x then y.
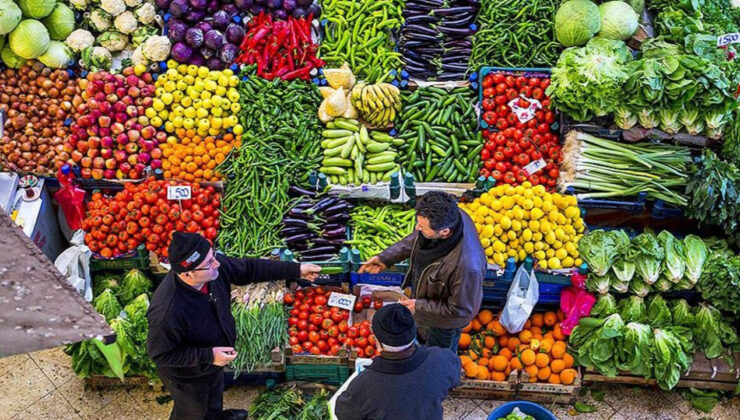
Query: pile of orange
{"type": "Point", "coordinates": [190, 157]}
{"type": "Point", "coordinates": [489, 352]}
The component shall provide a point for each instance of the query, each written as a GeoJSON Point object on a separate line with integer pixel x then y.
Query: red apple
{"type": "Point", "coordinates": [97, 174]}
{"type": "Point", "coordinates": [133, 159]}
{"type": "Point", "coordinates": [83, 146]}
{"type": "Point", "coordinates": [111, 164]}
{"type": "Point", "coordinates": [131, 148]}
{"type": "Point", "coordinates": [98, 163]}
{"type": "Point", "coordinates": [106, 153]}
{"type": "Point", "coordinates": [120, 155]}
{"type": "Point", "coordinates": [86, 162]}
{"type": "Point", "coordinates": [93, 153]}
{"type": "Point", "coordinates": [117, 128]}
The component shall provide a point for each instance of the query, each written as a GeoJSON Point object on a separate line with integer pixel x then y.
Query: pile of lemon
{"type": "Point", "coordinates": [193, 97]}
{"type": "Point", "coordinates": [526, 220]}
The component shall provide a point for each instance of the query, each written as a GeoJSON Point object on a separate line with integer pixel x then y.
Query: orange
{"type": "Point", "coordinates": [544, 373]}
{"type": "Point", "coordinates": [503, 340]}
{"type": "Point", "coordinates": [471, 370]}
{"type": "Point", "coordinates": [468, 327]}
{"type": "Point", "coordinates": [536, 331]}
{"type": "Point", "coordinates": [483, 361]}
{"type": "Point", "coordinates": [557, 333]}
{"type": "Point", "coordinates": [534, 344]}
{"type": "Point", "coordinates": [532, 371]}
{"type": "Point", "coordinates": [528, 357]}
{"type": "Point", "coordinates": [515, 363]}
{"type": "Point", "coordinates": [476, 324]}
{"type": "Point", "coordinates": [561, 315]}
{"type": "Point", "coordinates": [542, 360]}
{"type": "Point", "coordinates": [525, 336]}
{"type": "Point", "coordinates": [483, 373]}
{"type": "Point", "coordinates": [506, 353]}
{"type": "Point", "coordinates": [537, 320]}
{"type": "Point", "coordinates": [464, 341]}
{"type": "Point", "coordinates": [473, 355]}
{"type": "Point", "coordinates": [554, 379]}
{"type": "Point", "coordinates": [557, 351]}
{"type": "Point", "coordinates": [464, 360]}
{"type": "Point", "coordinates": [512, 343]}
{"type": "Point", "coordinates": [507, 371]}
{"type": "Point", "coordinates": [568, 360]}
{"type": "Point", "coordinates": [486, 352]}
{"type": "Point", "coordinates": [528, 325]}
{"type": "Point", "coordinates": [489, 341]}
{"type": "Point", "coordinates": [498, 376]}
{"type": "Point", "coordinates": [568, 376]}
{"type": "Point", "coordinates": [546, 345]}
{"type": "Point", "coordinates": [485, 316]}
{"type": "Point", "coordinates": [550, 318]}
{"type": "Point", "coordinates": [497, 328]}
{"type": "Point", "coordinates": [500, 363]}
{"type": "Point", "coordinates": [557, 365]}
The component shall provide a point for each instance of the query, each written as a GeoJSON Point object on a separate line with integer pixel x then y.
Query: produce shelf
{"type": "Point", "coordinates": [661, 210]}
{"type": "Point", "coordinates": [632, 206]}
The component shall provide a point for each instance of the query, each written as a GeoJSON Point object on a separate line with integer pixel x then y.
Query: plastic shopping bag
{"type": "Point", "coordinates": [74, 263]}
{"type": "Point", "coordinates": [523, 295]}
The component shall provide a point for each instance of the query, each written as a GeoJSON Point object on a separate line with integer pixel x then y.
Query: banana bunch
{"type": "Point", "coordinates": [378, 103]}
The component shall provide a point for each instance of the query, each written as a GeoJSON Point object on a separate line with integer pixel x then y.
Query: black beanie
{"type": "Point", "coordinates": [393, 325]}
{"type": "Point", "coordinates": [187, 250]}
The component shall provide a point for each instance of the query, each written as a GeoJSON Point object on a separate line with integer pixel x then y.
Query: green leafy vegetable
{"type": "Point", "coordinates": [599, 250]}
{"type": "Point", "coordinates": [576, 22]}
{"type": "Point", "coordinates": [648, 255]}
{"type": "Point", "coordinates": [134, 283]}
{"type": "Point", "coordinates": [584, 408]}
{"type": "Point", "coordinates": [636, 349]}
{"type": "Point", "coordinates": [674, 264]}
{"type": "Point", "coordinates": [696, 254]}
{"type": "Point", "coordinates": [702, 400]}
{"type": "Point", "coordinates": [106, 281]}
{"type": "Point", "coordinates": [633, 309]}
{"type": "Point", "coordinates": [682, 313]}
{"type": "Point", "coordinates": [598, 284]}
{"type": "Point", "coordinates": [671, 359]}
{"type": "Point", "coordinates": [658, 314]}
{"type": "Point", "coordinates": [707, 332]}
{"type": "Point", "coordinates": [720, 282]}
{"type": "Point", "coordinates": [618, 20]}
{"type": "Point", "coordinates": [597, 341]}
{"type": "Point", "coordinates": [107, 305]}
{"type": "Point", "coordinates": [606, 305]}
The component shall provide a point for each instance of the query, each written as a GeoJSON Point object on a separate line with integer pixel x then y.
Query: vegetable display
{"type": "Point", "coordinates": [376, 228]}
{"type": "Point", "coordinates": [527, 220]}
{"type": "Point", "coordinates": [111, 136]}
{"type": "Point", "coordinates": [599, 168]}
{"type": "Point", "coordinates": [315, 227]}
{"type": "Point", "coordinates": [519, 149]}
{"type": "Point", "coordinates": [436, 41]}
{"type": "Point", "coordinates": [37, 102]}
{"type": "Point", "coordinates": [260, 324]}
{"type": "Point", "coordinates": [489, 352]}
{"type": "Point", "coordinates": [515, 33]}
{"type": "Point", "coordinates": [354, 155]}
{"type": "Point", "coordinates": [439, 130]}
{"type": "Point", "coordinates": [359, 32]}
{"type": "Point", "coordinates": [141, 214]}
{"type": "Point", "coordinates": [280, 49]}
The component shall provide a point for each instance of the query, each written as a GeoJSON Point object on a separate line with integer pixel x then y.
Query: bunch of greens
{"type": "Point", "coordinates": [605, 305]}
{"type": "Point", "coordinates": [107, 304]}
{"type": "Point", "coordinates": [720, 282]}
{"type": "Point", "coordinates": [599, 250]}
{"type": "Point", "coordinates": [587, 81]}
{"type": "Point", "coordinates": [673, 352]}
{"type": "Point", "coordinates": [289, 403]}
{"type": "Point", "coordinates": [648, 255]}
{"type": "Point", "coordinates": [633, 309]}
{"type": "Point", "coordinates": [596, 341]}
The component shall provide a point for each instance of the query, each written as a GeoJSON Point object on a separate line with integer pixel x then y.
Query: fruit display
{"type": "Point", "coordinates": [191, 157]}
{"type": "Point", "coordinates": [527, 220]}
{"type": "Point", "coordinates": [37, 101]}
{"type": "Point", "coordinates": [488, 352]}
{"type": "Point", "coordinates": [141, 214]}
{"type": "Point", "coordinates": [520, 142]}
{"type": "Point", "coordinates": [193, 97]}
{"type": "Point", "coordinates": [111, 135]}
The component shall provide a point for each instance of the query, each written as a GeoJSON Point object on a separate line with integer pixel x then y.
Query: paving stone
{"type": "Point", "coordinates": [240, 397]}
{"type": "Point", "coordinates": [53, 406]}
{"type": "Point", "coordinates": [636, 403]}
{"type": "Point", "coordinates": [146, 398]}
{"type": "Point", "coordinates": [21, 386]}
{"type": "Point", "coordinates": [123, 408]}
{"type": "Point", "coordinates": [477, 414]}
{"type": "Point", "coordinates": [489, 405]}
{"type": "Point", "coordinates": [55, 364]}
{"type": "Point", "coordinates": [603, 412]}
{"type": "Point", "coordinates": [87, 402]}
{"type": "Point", "coordinates": [12, 362]}
{"type": "Point", "coordinates": [458, 408]}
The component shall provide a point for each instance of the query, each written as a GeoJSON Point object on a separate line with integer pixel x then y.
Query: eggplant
{"type": "Point", "coordinates": [429, 50]}
{"type": "Point", "coordinates": [296, 222]}
{"type": "Point", "coordinates": [339, 217]}
{"type": "Point", "coordinates": [454, 67]}
{"type": "Point", "coordinates": [421, 19]}
{"type": "Point", "coordinates": [452, 76]}
{"type": "Point", "coordinates": [458, 23]}
{"type": "Point", "coordinates": [324, 203]}
{"type": "Point", "coordinates": [456, 59]}
{"type": "Point", "coordinates": [294, 191]}
{"type": "Point", "coordinates": [333, 226]}
{"type": "Point", "coordinates": [342, 206]}
{"type": "Point", "coordinates": [323, 257]}
{"type": "Point", "coordinates": [320, 250]}
{"type": "Point", "coordinates": [458, 43]}
{"type": "Point", "coordinates": [429, 4]}
{"type": "Point", "coordinates": [300, 247]}
{"type": "Point", "coordinates": [455, 31]}
{"type": "Point", "coordinates": [420, 72]}
{"type": "Point", "coordinates": [418, 29]}
{"type": "Point", "coordinates": [302, 237]}
{"type": "Point", "coordinates": [293, 230]}
{"type": "Point", "coordinates": [416, 63]}
{"type": "Point", "coordinates": [422, 37]}
{"type": "Point", "coordinates": [327, 242]}
{"type": "Point", "coordinates": [411, 13]}
{"type": "Point", "coordinates": [335, 234]}
{"type": "Point", "coordinates": [454, 10]}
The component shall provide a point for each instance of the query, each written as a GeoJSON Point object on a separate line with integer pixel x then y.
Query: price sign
{"type": "Point", "coordinates": [342, 300]}
{"type": "Point", "coordinates": [535, 166]}
{"type": "Point", "coordinates": [524, 114]}
{"type": "Point", "coordinates": [178, 192]}
{"type": "Point", "coordinates": [727, 39]}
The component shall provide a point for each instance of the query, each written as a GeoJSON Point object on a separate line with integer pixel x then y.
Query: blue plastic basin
{"type": "Point", "coordinates": [535, 410]}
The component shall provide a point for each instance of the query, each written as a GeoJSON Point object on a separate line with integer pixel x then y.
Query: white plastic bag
{"type": "Point", "coordinates": [519, 303]}
{"type": "Point", "coordinates": [74, 263]}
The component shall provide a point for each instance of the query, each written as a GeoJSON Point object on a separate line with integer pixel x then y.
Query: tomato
{"type": "Point", "coordinates": [488, 104]}
{"type": "Point", "coordinates": [326, 314]}
{"type": "Point", "coordinates": [294, 312]}
{"type": "Point", "coordinates": [497, 78]}
{"type": "Point", "coordinates": [523, 103]}
{"type": "Point", "coordinates": [288, 299]}
{"type": "Point", "coordinates": [497, 175]}
{"type": "Point", "coordinates": [371, 340]}
{"type": "Point", "coordinates": [364, 331]}
{"type": "Point", "coordinates": [320, 300]}
{"type": "Point", "coordinates": [211, 233]}
{"type": "Point", "coordinates": [302, 335]}
{"type": "Point", "coordinates": [296, 349]}
{"type": "Point", "coordinates": [487, 81]}
{"type": "Point", "coordinates": [489, 92]}
{"type": "Point", "coordinates": [500, 100]}
{"type": "Point", "coordinates": [534, 82]}
{"type": "Point", "coordinates": [307, 345]}
{"type": "Point", "coordinates": [510, 81]}
{"type": "Point", "coordinates": [511, 94]}
{"type": "Point", "coordinates": [313, 336]}
{"type": "Point", "coordinates": [501, 88]}
{"type": "Point", "coordinates": [334, 350]}
{"type": "Point", "coordinates": [537, 93]}
{"type": "Point", "coordinates": [489, 163]}
{"type": "Point", "coordinates": [193, 227]}
{"type": "Point", "coordinates": [317, 309]}
{"type": "Point", "coordinates": [366, 301]}
{"type": "Point", "coordinates": [358, 307]}
{"type": "Point", "coordinates": [315, 351]}
{"type": "Point", "coordinates": [316, 319]}
{"type": "Point", "coordinates": [489, 117]}
{"type": "Point", "coordinates": [333, 331]}
{"type": "Point", "coordinates": [305, 307]}
{"type": "Point", "coordinates": [509, 178]}
{"type": "Point", "coordinates": [553, 173]}
{"type": "Point", "coordinates": [293, 341]}
{"type": "Point", "coordinates": [299, 295]}
{"type": "Point", "coordinates": [369, 351]}
{"type": "Point", "coordinates": [352, 332]}
{"type": "Point", "coordinates": [322, 345]}
{"type": "Point", "coordinates": [293, 321]}
{"type": "Point", "coordinates": [520, 81]}
{"type": "Point", "coordinates": [534, 179]}
{"type": "Point", "coordinates": [361, 342]}
{"type": "Point", "coordinates": [343, 326]}
{"type": "Point", "coordinates": [327, 323]}
{"type": "Point", "coordinates": [485, 154]}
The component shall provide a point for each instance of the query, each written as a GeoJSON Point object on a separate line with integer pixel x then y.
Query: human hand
{"type": "Point", "coordinates": [310, 271]}
{"type": "Point", "coordinates": [373, 266]}
{"type": "Point", "coordinates": [410, 304]}
{"type": "Point", "coordinates": [222, 356]}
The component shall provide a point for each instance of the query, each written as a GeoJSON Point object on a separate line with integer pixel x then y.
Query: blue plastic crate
{"type": "Point", "coordinates": [637, 205]}
{"type": "Point", "coordinates": [662, 210]}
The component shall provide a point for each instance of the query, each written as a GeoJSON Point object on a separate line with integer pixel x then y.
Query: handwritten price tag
{"type": "Point", "coordinates": [535, 166]}
{"type": "Point", "coordinates": [727, 39]}
{"type": "Point", "coordinates": [524, 114]}
{"type": "Point", "coordinates": [342, 300]}
{"type": "Point", "coordinates": [178, 192]}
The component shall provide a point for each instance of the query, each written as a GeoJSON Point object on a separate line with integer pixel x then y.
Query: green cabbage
{"type": "Point", "coordinates": [648, 255]}
{"type": "Point", "coordinates": [134, 284]}
{"type": "Point", "coordinates": [11, 59]}
{"type": "Point", "coordinates": [658, 314]}
{"type": "Point", "coordinates": [599, 250]}
{"type": "Point", "coordinates": [29, 39]}
{"type": "Point", "coordinates": [10, 15]}
{"type": "Point", "coordinates": [618, 20]}
{"type": "Point", "coordinates": [633, 309]}
{"type": "Point", "coordinates": [107, 305]}
{"type": "Point", "coordinates": [636, 349]}
{"type": "Point", "coordinates": [682, 313]}
{"type": "Point", "coordinates": [56, 56]}
{"type": "Point", "coordinates": [576, 21]}
{"type": "Point", "coordinates": [606, 305]}
{"type": "Point", "coordinates": [696, 254]}
{"type": "Point", "coordinates": [36, 9]}
{"type": "Point", "coordinates": [60, 23]}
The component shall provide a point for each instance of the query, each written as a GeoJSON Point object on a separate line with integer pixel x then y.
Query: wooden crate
{"type": "Point", "coordinates": [102, 383]}
{"type": "Point", "coordinates": [547, 392]}
{"type": "Point", "coordinates": [487, 390]}
{"type": "Point", "coordinates": [308, 359]}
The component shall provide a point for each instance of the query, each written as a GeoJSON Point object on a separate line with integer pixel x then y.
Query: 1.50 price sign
{"type": "Point", "coordinates": [178, 192]}
{"type": "Point", "coordinates": [727, 39]}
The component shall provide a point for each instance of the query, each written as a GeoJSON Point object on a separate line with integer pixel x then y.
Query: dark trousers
{"type": "Point", "coordinates": [442, 337]}
{"type": "Point", "coordinates": [199, 400]}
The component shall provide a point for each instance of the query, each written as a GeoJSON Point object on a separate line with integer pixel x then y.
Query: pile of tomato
{"type": "Point", "coordinates": [318, 329]}
{"type": "Point", "coordinates": [142, 214]}
{"type": "Point", "coordinates": [511, 144]}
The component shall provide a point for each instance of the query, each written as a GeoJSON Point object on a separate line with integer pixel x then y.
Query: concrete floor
{"type": "Point", "coordinates": [42, 385]}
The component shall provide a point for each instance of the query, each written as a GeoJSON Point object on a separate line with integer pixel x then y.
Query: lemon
{"type": "Point", "coordinates": [578, 262]}
{"type": "Point", "coordinates": [498, 246]}
{"type": "Point", "coordinates": [571, 249]}
{"type": "Point", "coordinates": [474, 206]}
{"type": "Point", "coordinates": [536, 236]}
{"type": "Point", "coordinates": [235, 107]}
{"type": "Point", "coordinates": [482, 211]}
{"type": "Point", "coordinates": [516, 226]}
{"type": "Point", "coordinates": [485, 242]}
{"type": "Point", "coordinates": [487, 231]}
{"type": "Point", "coordinates": [519, 189]}
{"type": "Point", "coordinates": [181, 85]}
{"type": "Point", "coordinates": [559, 234]}
{"type": "Point", "coordinates": [527, 235]}
{"type": "Point", "coordinates": [522, 255]}
{"type": "Point", "coordinates": [536, 213]}
{"type": "Point", "coordinates": [489, 251]}
{"type": "Point", "coordinates": [554, 263]}
{"type": "Point", "coordinates": [539, 246]}
{"type": "Point", "coordinates": [540, 255]}
{"type": "Point", "coordinates": [496, 205]}
{"type": "Point", "coordinates": [550, 253]}
{"type": "Point", "coordinates": [507, 202]}
{"type": "Point", "coordinates": [572, 212]}
{"type": "Point", "coordinates": [528, 204]}
{"type": "Point", "coordinates": [479, 219]}
{"type": "Point", "coordinates": [505, 222]}
{"type": "Point", "coordinates": [517, 213]}
{"type": "Point", "coordinates": [528, 247]}
{"type": "Point", "coordinates": [550, 237]}
{"type": "Point", "coordinates": [547, 206]}
{"type": "Point", "coordinates": [490, 220]}
{"type": "Point", "coordinates": [514, 244]}
{"type": "Point", "coordinates": [238, 129]}
{"type": "Point", "coordinates": [557, 245]}
{"type": "Point", "coordinates": [499, 259]}
{"type": "Point", "coordinates": [511, 235]}
{"type": "Point", "coordinates": [568, 262]}
{"type": "Point", "coordinates": [512, 253]}
{"type": "Point", "coordinates": [509, 190]}
{"type": "Point", "coordinates": [534, 225]}
{"type": "Point", "coordinates": [498, 230]}
{"type": "Point", "coordinates": [539, 190]}
{"type": "Point", "coordinates": [561, 253]}
{"type": "Point", "coordinates": [545, 226]}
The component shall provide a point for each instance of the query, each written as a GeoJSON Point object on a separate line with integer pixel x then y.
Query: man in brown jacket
{"type": "Point", "coordinates": [446, 268]}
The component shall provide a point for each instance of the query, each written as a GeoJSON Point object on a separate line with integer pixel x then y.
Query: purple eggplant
{"type": "Point", "coordinates": [321, 250]}
{"type": "Point", "coordinates": [234, 33]}
{"type": "Point", "coordinates": [324, 203]}
{"type": "Point", "coordinates": [455, 31]}
{"type": "Point", "coordinates": [194, 37]}
{"type": "Point", "coordinates": [339, 217]}
{"type": "Point", "coordinates": [298, 238]}
{"type": "Point", "coordinates": [340, 207]}
{"type": "Point", "coordinates": [454, 10]}
{"type": "Point", "coordinates": [295, 222]}
{"type": "Point", "coordinates": [297, 192]}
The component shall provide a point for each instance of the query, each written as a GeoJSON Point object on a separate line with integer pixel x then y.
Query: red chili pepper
{"type": "Point", "coordinates": [303, 71]}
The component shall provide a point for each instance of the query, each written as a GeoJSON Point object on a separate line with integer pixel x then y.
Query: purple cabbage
{"type": "Point", "coordinates": [304, 3]}
{"type": "Point", "coordinates": [228, 53]}
{"type": "Point", "coordinates": [212, 5]}
{"type": "Point", "coordinates": [204, 26]}
{"type": "Point", "coordinates": [179, 8]}
{"type": "Point", "coordinates": [299, 12]}
{"type": "Point", "coordinates": [230, 9]}
{"type": "Point", "coordinates": [162, 4]}
{"type": "Point", "coordinates": [207, 53]}
{"type": "Point", "coordinates": [195, 16]}
{"type": "Point", "coordinates": [176, 31]}
{"type": "Point", "coordinates": [214, 64]}
{"type": "Point", "coordinates": [243, 5]}
{"type": "Point", "coordinates": [280, 14]}
{"type": "Point", "coordinates": [314, 9]}
{"type": "Point", "coordinates": [234, 33]}
{"type": "Point", "coordinates": [214, 39]}
{"type": "Point", "coordinates": [220, 19]}
{"type": "Point", "coordinates": [275, 4]}
{"type": "Point", "coordinates": [181, 52]}
{"type": "Point", "coordinates": [198, 60]}
{"type": "Point", "coordinates": [199, 4]}
{"type": "Point", "coordinates": [289, 5]}
{"type": "Point", "coordinates": [194, 37]}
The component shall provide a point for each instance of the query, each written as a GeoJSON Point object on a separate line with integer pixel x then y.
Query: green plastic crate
{"type": "Point", "coordinates": [139, 260]}
{"type": "Point", "coordinates": [325, 374]}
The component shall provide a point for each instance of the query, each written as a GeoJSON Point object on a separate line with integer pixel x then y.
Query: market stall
{"type": "Point", "coordinates": [594, 144]}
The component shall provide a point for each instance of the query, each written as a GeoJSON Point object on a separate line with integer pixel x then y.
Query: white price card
{"type": "Point", "coordinates": [535, 166]}
{"type": "Point", "coordinates": [178, 192]}
{"type": "Point", "coordinates": [342, 300]}
{"type": "Point", "coordinates": [727, 39]}
{"type": "Point", "coordinates": [524, 114]}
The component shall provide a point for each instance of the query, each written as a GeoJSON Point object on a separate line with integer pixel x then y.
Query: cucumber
{"type": "Point", "coordinates": [346, 125]}
{"type": "Point", "coordinates": [336, 133]}
{"type": "Point", "coordinates": [332, 170]}
{"type": "Point", "coordinates": [334, 142]}
{"type": "Point", "coordinates": [381, 167]}
{"type": "Point", "coordinates": [374, 147]}
{"type": "Point", "coordinates": [335, 161]}
{"type": "Point", "coordinates": [347, 148]}
{"type": "Point", "coordinates": [381, 159]}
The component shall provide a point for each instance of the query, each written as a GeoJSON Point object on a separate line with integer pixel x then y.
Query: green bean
{"type": "Point", "coordinates": [376, 228]}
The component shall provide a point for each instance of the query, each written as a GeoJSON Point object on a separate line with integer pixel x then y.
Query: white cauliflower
{"type": "Point", "coordinates": [80, 39]}
{"type": "Point", "coordinates": [132, 3]}
{"type": "Point", "coordinates": [100, 20]}
{"type": "Point", "coordinates": [114, 7]}
{"type": "Point", "coordinates": [113, 41]}
{"type": "Point", "coordinates": [156, 48]}
{"type": "Point", "coordinates": [137, 57]}
{"type": "Point", "coordinates": [78, 4]}
{"type": "Point", "coordinates": [146, 13]}
{"type": "Point", "coordinates": [126, 22]}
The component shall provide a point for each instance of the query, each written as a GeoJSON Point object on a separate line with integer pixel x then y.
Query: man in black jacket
{"type": "Point", "coordinates": [405, 381]}
{"type": "Point", "coordinates": [191, 329]}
